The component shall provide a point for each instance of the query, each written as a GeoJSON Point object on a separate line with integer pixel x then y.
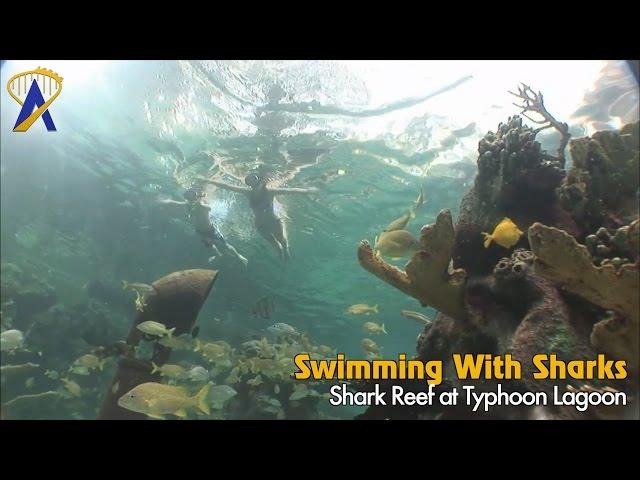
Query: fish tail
{"type": "Point", "coordinates": [384, 330]}
{"type": "Point", "coordinates": [487, 239]}
{"type": "Point", "coordinates": [155, 368]}
{"type": "Point", "coordinates": [375, 308]}
{"type": "Point", "coordinates": [101, 364]}
{"type": "Point", "coordinates": [170, 332]}
{"type": "Point", "coordinates": [198, 345]}
{"type": "Point", "coordinates": [201, 399]}
{"type": "Point", "coordinates": [124, 284]}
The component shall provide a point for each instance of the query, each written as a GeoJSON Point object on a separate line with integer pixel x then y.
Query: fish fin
{"type": "Point", "coordinates": [375, 308]}
{"type": "Point", "coordinates": [101, 364]}
{"type": "Point", "coordinates": [375, 242]}
{"type": "Point", "coordinates": [155, 368]}
{"type": "Point", "coordinates": [124, 284]}
{"type": "Point", "coordinates": [182, 413]}
{"type": "Point", "coordinates": [419, 201]}
{"type": "Point", "coordinates": [487, 239]}
{"type": "Point", "coordinates": [384, 330]}
{"type": "Point", "coordinates": [170, 332]}
{"type": "Point", "coordinates": [198, 346]}
{"type": "Point", "coordinates": [201, 399]}
{"type": "Point", "coordinates": [154, 416]}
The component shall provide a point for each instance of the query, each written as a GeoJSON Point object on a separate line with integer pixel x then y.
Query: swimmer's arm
{"type": "Point", "coordinates": [168, 201]}
{"type": "Point", "coordinates": [226, 186]}
{"type": "Point", "coordinates": [285, 191]}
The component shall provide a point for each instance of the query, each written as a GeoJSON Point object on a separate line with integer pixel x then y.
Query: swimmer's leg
{"type": "Point", "coordinates": [230, 248]}
{"type": "Point", "coordinates": [280, 234]}
{"type": "Point", "coordinates": [267, 233]}
{"type": "Point", "coordinates": [274, 241]}
{"type": "Point", "coordinates": [209, 243]}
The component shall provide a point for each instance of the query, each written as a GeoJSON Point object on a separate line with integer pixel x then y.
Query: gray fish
{"type": "Point", "coordinates": [263, 308]}
{"type": "Point", "coordinates": [418, 317]}
{"type": "Point", "coordinates": [198, 374]}
{"type": "Point", "coordinates": [282, 329]}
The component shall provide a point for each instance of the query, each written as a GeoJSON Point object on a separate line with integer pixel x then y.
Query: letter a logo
{"type": "Point", "coordinates": [33, 83]}
{"type": "Point", "coordinates": [27, 115]}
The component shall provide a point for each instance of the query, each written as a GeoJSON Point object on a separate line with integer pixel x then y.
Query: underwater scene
{"type": "Point", "coordinates": [179, 238]}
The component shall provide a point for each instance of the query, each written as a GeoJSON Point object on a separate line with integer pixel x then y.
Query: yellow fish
{"type": "Point", "coordinates": [156, 400]}
{"type": "Point", "coordinates": [396, 244]}
{"type": "Point", "coordinates": [155, 328]}
{"type": "Point", "coordinates": [506, 234]}
{"type": "Point", "coordinates": [72, 387]}
{"type": "Point", "coordinates": [370, 347]}
{"type": "Point", "coordinates": [89, 362]}
{"type": "Point", "coordinates": [181, 342]}
{"type": "Point", "coordinates": [219, 351]}
{"type": "Point", "coordinates": [168, 370]}
{"type": "Point", "coordinates": [373, 328]}
{"type": "Point", "coordinates": [143, 291]}
{"type": "Point", "coordinates": [362, 308]}
{"type": "Point", "coordinates": [400, 223]}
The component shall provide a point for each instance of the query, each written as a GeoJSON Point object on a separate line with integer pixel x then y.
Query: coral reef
{"type": "Point", "coordinates": [601, 188]}
{"type": "Point", "coordinates": [615, 249]}
{"type": "Point", "coordinates": [516, 179]}
{"type": "Point", "coordinates": [29, 293]}
{"type": "Point", "coordinates": [543, 319]}
{"type": "Point", "coordinates": [426, 276]}
{"type": "Point", "coordinates": [561, 259]}
{"type": "Point", "coordinates": [550, 294]}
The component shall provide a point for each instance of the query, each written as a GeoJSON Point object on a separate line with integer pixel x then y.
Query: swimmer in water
{"type": "Point", "coordinates": [261, 196]}
{"type": "Point", "coordinates": [199, 215]}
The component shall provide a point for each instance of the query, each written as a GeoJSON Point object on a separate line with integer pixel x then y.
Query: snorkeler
{"type": "Point", "coordinates": [199, 215]}
{"type": "Point", "coordinates": [261, 196]}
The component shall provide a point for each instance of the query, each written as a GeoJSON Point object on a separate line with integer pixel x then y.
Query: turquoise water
{"type": "Point", "coordinates": [81, 207]}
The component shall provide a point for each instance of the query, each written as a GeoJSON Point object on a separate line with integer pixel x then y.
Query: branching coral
{"type": "Point", "coordinates": [426, 276]}
{"type": "Point", "coordinates": [568, 264]}
{"type": "Point", "coordinates": [534, 103]}
{"type": "Point", "coordinates": [516, 179]}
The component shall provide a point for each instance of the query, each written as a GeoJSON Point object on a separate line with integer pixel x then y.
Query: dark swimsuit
{"type": "Point", "coordinates": [213, 234]}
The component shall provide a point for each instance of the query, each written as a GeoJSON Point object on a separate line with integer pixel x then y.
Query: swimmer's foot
{"type": "Point", "coordinates": [243, 260]}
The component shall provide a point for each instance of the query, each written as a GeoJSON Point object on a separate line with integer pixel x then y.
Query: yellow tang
{"type": "Point", "coordinates": [506, 234]}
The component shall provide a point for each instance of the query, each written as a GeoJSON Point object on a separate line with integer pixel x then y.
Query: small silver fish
{"type": "Point", "coordinates": [198, 374]}
{"type": "Point", "coordinates": [282, 329]}
{"type": "Point", "coordinates": [418, 317]}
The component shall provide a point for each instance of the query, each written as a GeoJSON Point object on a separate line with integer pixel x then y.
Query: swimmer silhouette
{"type": "Point", "coordinates": [261, 196]}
